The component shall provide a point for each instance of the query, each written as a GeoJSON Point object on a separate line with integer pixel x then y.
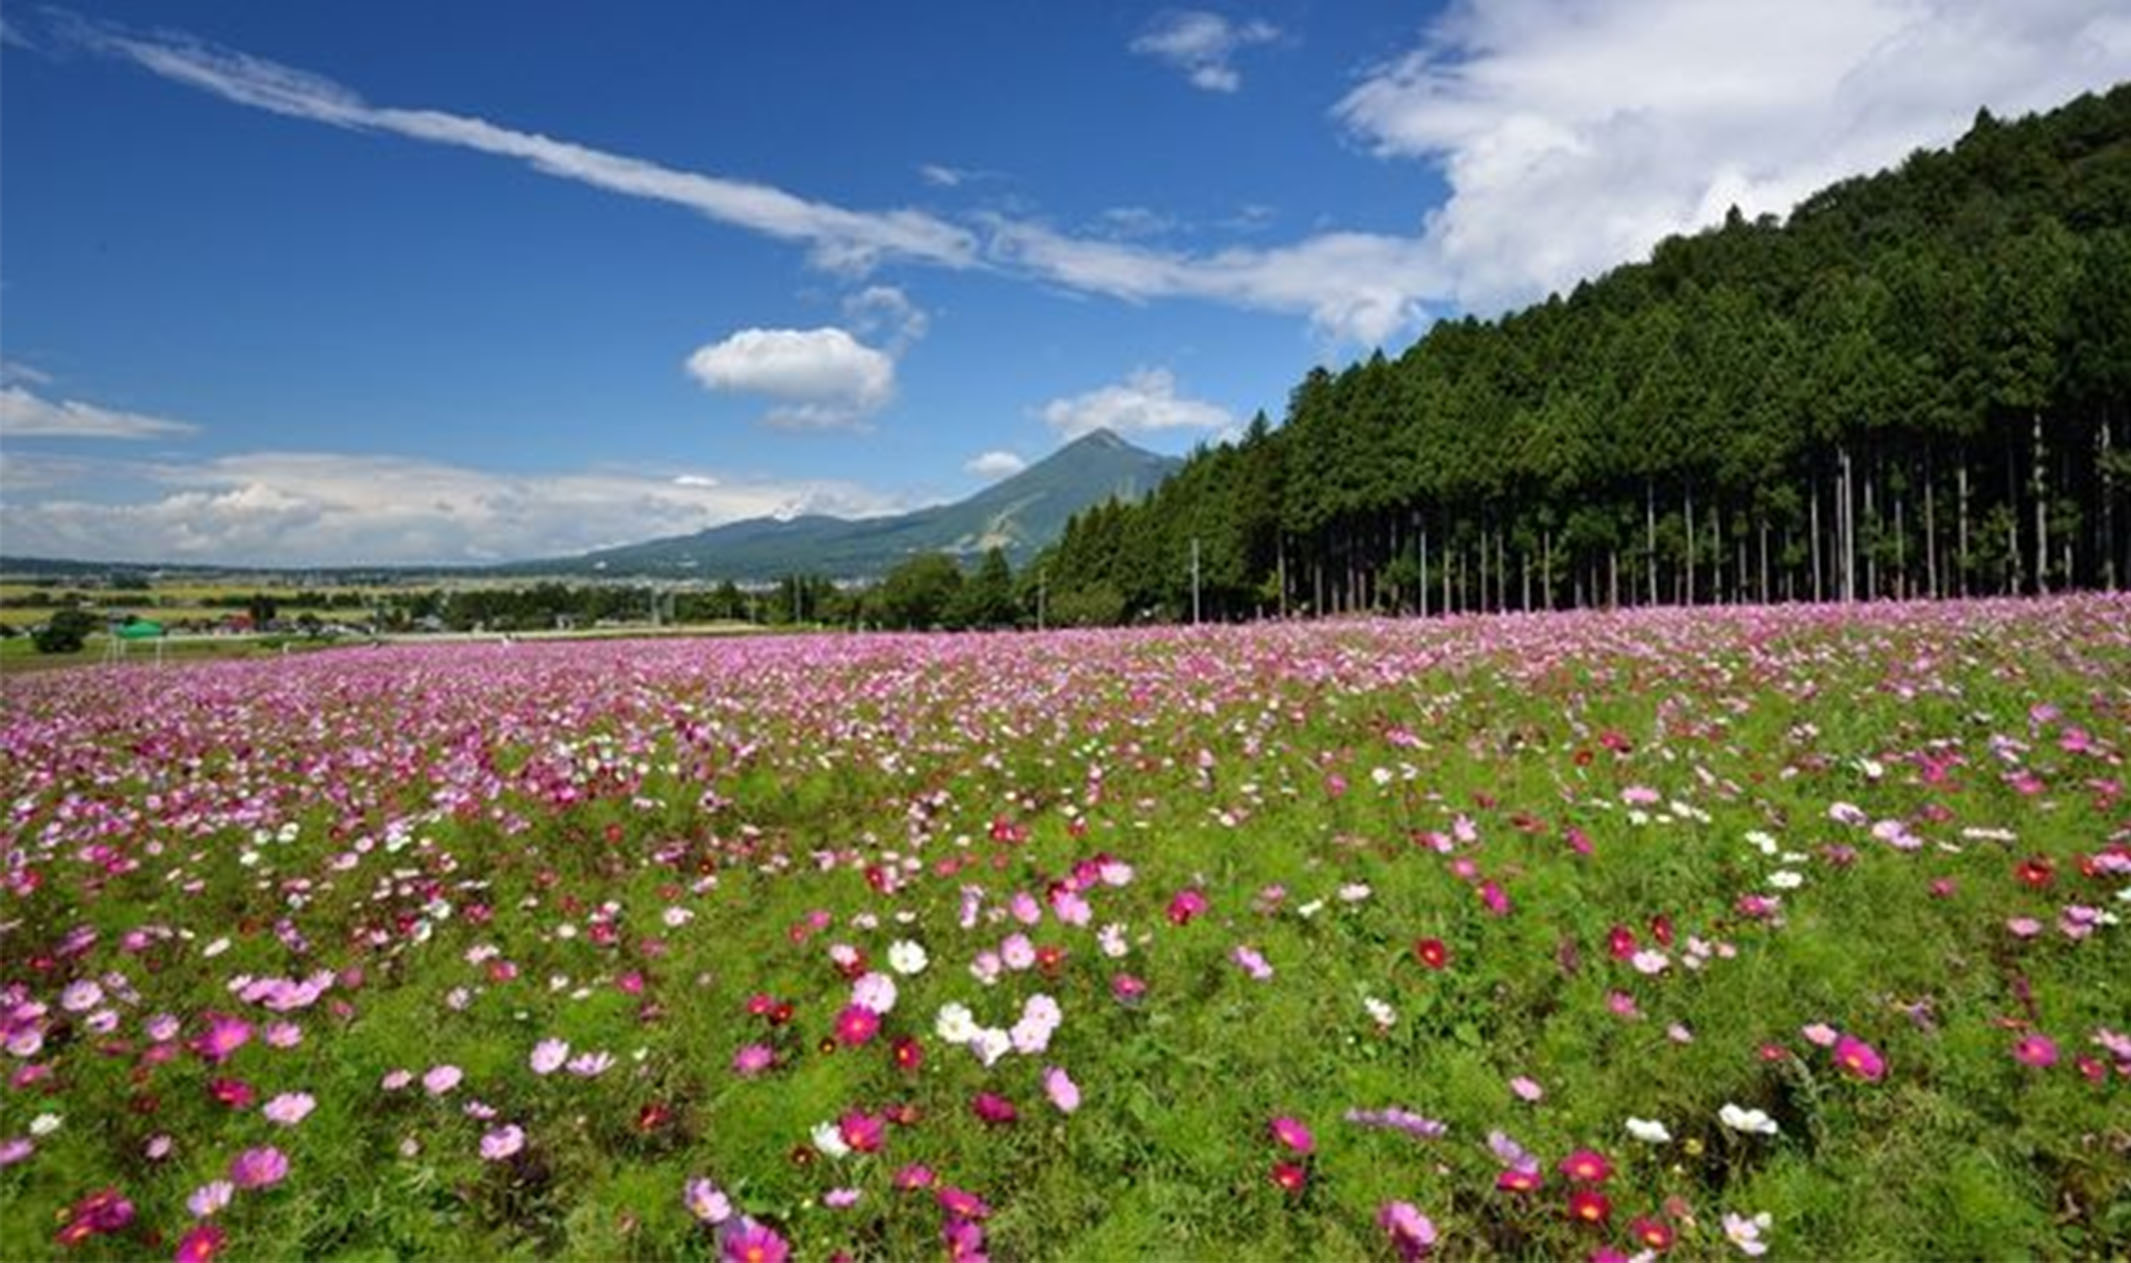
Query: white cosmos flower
{"type": "Point", "coordinates": [1649, 1131]}
{"type": "Point", "coordinates": [830, 1140]}
{"type": "Point", "coordinates": [956, 1024]}
{"type": "Point", "coordinates": [1786, 880]}
{"type": "Point", "coordinates": [990, 1044]}
{"type": "Point", "coordinates": [1747, 1120]}
{"type": "Point", "coordinates": [906, 957]}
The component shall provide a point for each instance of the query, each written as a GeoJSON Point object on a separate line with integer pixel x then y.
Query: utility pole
{"type": "Point", "coordinates": [1043, 588]}
{"type": "Point", "coordinates": [1194, 581]}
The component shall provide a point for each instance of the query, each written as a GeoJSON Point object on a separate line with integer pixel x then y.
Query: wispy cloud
{"type": "Point", "coordinates": [1202, 45]}
{"type": "Point", "coordinates": [320, 508]}
{"type": "Point", "coordinates": [838, 238]}
{"type": "Point", "coordinates": [1146, 401]}
{"type": "Point", "coordinates": [1575, 135]}
{"type": "Point", "coordinates": [27, 415]}
{"type": "Point", "coordinates": [1354, 285]}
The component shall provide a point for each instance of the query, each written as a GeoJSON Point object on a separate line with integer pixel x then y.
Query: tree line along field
{"type": "Point", "coordinates": [1917, 383]}
{"type": "Point", "coordinates": [1703, 934]}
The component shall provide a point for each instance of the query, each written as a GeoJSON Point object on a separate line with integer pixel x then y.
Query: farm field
{"type": "Point", "coordinates": [1701, 934]}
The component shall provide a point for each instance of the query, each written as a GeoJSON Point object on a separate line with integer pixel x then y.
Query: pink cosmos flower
{"type": "Point", "coordinates": [223, 1036]}
{"type": "Point", "coordinates": [2039, 1051]}
{"type": "Point", "coordinates": [503, 1142]}
{"type": "Point", "coordinates": [706, 1202]}
{"type": "Point", "coordinates": [1127, 988]}
{"type": "Point", "coordinates": [259, 1168]}
{"type": "Point", "coordinates": [1860, 1059]}
{"type": "Point", "coordinates": [1411, 1232]}
{"type": "Point", "coordinates": [962, 1204]}
{"type": "Point", "coordinates": [861, 1131]}
{"type": "Point", "coordinates": [1292, 1133]}
{"type": "Point", "coordinates": [200, 1243]}
{"type": "Point", "coordinates": [441, 1079]}
{"type": "Point", "coordinates": [752, 1242]}
{"type": "Point", "coordinates": [840, 1198]}
{"type": "Point", "coordinates": [1251, 962]}
{"type": "Point", "coordinates": [15, 1148]}
{"type": "Point", "coordinates": [548, 1056]}
{"type": "Point", "coordinates": [915, 1176]}
{"type": "Point", "coordinates": [1527, 1089]}
{"type": "Point", "coordinates": [209, 1198]}
{"type": "Point", "coordinates": [1820, 1035]}
{"type": "Point", "coordinates": [289, 1108]}
{"type": "Point", "coordinates": [1186, 905]}
{"type": "Point", "coordinates": [1064, 1093]}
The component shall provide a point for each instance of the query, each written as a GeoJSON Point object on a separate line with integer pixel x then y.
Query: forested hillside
{"type": "Point", "coordinates": [1916, 385]}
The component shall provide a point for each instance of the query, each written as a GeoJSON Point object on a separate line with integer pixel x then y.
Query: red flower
{"type": "Point", "coordinates": [1589, 1206]}
{"type": "Point", "coordinates": [1518, 1180]}
{"type": "Point", "coordinates": [2035, 871]}
{"type": "Point", "coordinates": [1432, 953]}
{"type": "Point", "coordinates": [857, 1025]}
{"type": "Point", "coordinates": [1186, 905]}
{"type": "Point", "coordinates": [1291, 1178]}
{"type": "Point", "coordinates": [908, 1053]}
{"type": "Point", "coordinates": [1586, 1166]}
{"type": "Point", "coordinates": [1620, 942]}
{"type": "Point", "coordinates": [1651, 1233]}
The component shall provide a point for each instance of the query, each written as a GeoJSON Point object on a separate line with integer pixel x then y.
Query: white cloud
{"type": "Point", "coordinates": [941, 176]}
{"type": "Point", "coordinates": [1572, 133]}
{"type": "Point", "coordinates": [886, 311]}
{"type": "Point", "coordinates": [1145, 401]}
{"type": "Point", "coordinates": [839, 239]}
{"type": "Point", "coordinates": [1201, 45]}
{"type": "Point", "coordinates": [25, 415]}
{"type": "Point", "coordinates": [994, 464]}
{"type": "Point", "coordinates": [16, 371]}
{"type": "Point", "coordinates": [825, 378]}
{"type": "Point", "coordinates": [1575, 134]}
{"type": "Point", "coordinates": [318, 508]}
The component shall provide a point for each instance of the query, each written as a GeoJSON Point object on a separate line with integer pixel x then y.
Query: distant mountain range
{"type": "Point", "coordinates": [1020, 515]}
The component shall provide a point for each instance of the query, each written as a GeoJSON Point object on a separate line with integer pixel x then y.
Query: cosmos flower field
{"type": "Point", "coordinates": [1716, 934]}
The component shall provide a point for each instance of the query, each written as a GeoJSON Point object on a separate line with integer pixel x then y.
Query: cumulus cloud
{"type": "Point", "coordinates": [27, 415]}
{"type": "Point", "coordinates": [1201, 45]}
{"type": "Point", "coordinates": [318, 508]}
{"type": "Point", "coordinates": [1574, 134]}
{"type": "Point", "coordinates": [1146, 401]}
{"type": "Point", "coordinates": [994, 464]}
{"type": "Point", "coordinates": [823, 378]}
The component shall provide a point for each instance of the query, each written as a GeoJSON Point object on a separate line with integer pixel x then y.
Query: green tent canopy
{"type": "Point", "coordinates": [140, 629]}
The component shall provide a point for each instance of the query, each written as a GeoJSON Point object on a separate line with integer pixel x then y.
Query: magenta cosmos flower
{"type": "Point", "coordinates": [1860, 1058]}
{"type": "Point", "coordinates": [223, 1036]}
{"type": "Point", "coordinates": [1292, 1133]}
{"type": "Point", "coordinates": [2039, 1051]}
{"type": "Point", "coordinates": [857, 1025]}
{"type": "Point", "coordinates": [753, 1242]}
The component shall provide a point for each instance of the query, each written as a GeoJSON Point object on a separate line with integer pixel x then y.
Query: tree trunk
{"type": "Point", "coordinates": [1687, 500]}
{"type": "Point", "coordinates": [1650, 535]}
{"type": "Point", "coordinates": [1846, 525]}
{"type": "Point", "coordinates": [1814, 539]}
{"type": "Point", "coordinates": [1424, 572]}
{"type": "Point", "coordinates": [1961, 523]}
{"type": "Point", "coordinates": [1871, 550]}
{"type": "Point", "coordinates": [2108, 510]}
{"type": "Point", "coordinates": [1931, 531]}
{"type": "Point", "coordinates": [1280, 567]}
{"type": "Point", "coordinates": [1762, 592]}
{"type": "Point", "coordinates": [2042, 501]}
{"type": "Point", "coordinates": [1613, 578]}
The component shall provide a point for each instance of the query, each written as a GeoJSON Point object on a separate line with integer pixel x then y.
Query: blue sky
{"type": "Point", "coordinates": [408, 282]}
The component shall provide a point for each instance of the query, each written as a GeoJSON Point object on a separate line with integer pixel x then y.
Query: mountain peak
{"type": "Point", "coordinates": [1102, 437]}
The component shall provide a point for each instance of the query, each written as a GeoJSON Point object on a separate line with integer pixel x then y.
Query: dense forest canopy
{"type": "Point", "coordinates": [1917, 385]}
